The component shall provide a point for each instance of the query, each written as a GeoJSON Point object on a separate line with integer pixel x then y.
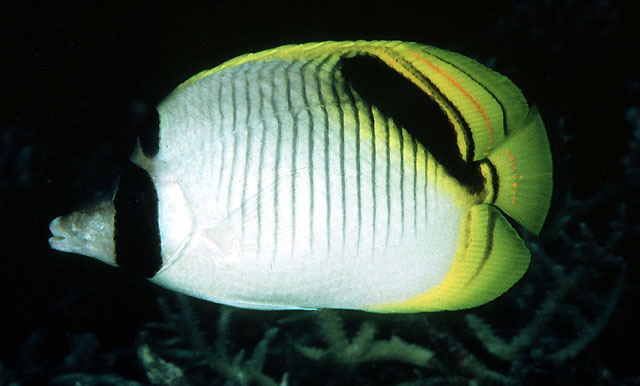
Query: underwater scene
{"type": "Point", "coordinates": [297, 216]}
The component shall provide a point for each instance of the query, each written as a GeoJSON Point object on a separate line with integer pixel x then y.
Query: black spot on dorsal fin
{"type": "Point", "coordinates": [137, 234]}
{"type": "Point", "coordinates": [398, 98]}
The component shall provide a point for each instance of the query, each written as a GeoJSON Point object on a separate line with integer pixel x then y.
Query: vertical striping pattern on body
{"type": "Point", "coordinates": [371, 122]}
{"type": "Point", "coordinates": [277, 155]}
{"type": "Point", "coordinates": [311, 180]}
{"type": "Point", "coordinates": [364, 175]}
{"type": "Point", "coordinates": [308, 130]}
{"type": "Point", "coordinates": [294, 151]}
{"type": "Point", "coordinates": [344, 128]}
{"type": "Point", "coordinates": [248, 151]}
{"type": "Point", "coordinates": [325, 125]}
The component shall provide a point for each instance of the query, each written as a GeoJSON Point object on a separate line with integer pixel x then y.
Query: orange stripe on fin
{"type": "Point", "coordinates": [466, 93]}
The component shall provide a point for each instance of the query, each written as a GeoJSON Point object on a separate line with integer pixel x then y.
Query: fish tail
{"type": "Point", "coordinates": [520, 173]}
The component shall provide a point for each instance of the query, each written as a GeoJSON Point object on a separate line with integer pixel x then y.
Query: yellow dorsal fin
{"type": "Point", "coordinates": [482, 105]}
{"type": "Point", "coordinates": [491, 257]}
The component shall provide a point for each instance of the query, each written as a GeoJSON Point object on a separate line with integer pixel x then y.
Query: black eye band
{"type": "Point", "coordinates": [150, 134]}
{"type": "Point", "coordinates": [137, 234]}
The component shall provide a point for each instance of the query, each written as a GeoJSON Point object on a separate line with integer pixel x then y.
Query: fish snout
{"type": "Point", "coordinates": [63, 233]}
{"type": "Point", "coordinates": [87, 232]}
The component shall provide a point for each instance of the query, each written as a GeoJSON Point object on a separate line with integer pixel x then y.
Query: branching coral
{"type": "Point", "coordinates": [188, 343]}
{"type": "Point", "coordinates": [527, 342]}
{"type": "Point", "coordinates": [363, 347]}
{"type": "Point", "coordinates": [159, 371]}
{"type": "Point", "coordinates": [568, 295]}
{"type": "Point", "coordinates": [562, 305]}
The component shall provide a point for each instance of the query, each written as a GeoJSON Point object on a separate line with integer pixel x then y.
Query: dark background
{"type": "Point", "coordinates": [79, 80]}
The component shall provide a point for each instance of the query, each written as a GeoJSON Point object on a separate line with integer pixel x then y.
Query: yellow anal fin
{"type": "Point", "coordinates": [491, 258]}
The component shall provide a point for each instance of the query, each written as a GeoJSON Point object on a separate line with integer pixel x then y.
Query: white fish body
{"type": "Point", "coordinates": [279, 187]}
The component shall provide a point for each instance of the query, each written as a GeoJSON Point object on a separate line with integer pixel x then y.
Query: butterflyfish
{"type": "Point", "coordinates": [368, 175]}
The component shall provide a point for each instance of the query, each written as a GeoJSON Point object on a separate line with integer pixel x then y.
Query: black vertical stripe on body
{"type": "Point", "coordinates": [310, 144]}
{"type": "Point", "coordinates": [358, 171]}
{"type": "Point", "coordinates": [335, 80]}
{"type": "Point", "coordinates": [388, 176]}
{"type": "Point", "coordinates": [261, 119]}
{"type": "Point", "coordinates": [276, 184]}
{"type": "Point", "coordinates": [234, 138]}
{"type": "Point", "coordinates": [325, 116]}
{"type": "Point", "coordinates": [137, 233]}
{"type": "Point", "coordinates": [356, 118]}
{"type": "Point", "coordinates": [294, 118]}
{"type": "Point", "coordinates": [372, 125]}
{"type": "Point", "coordinates": [248, 152]}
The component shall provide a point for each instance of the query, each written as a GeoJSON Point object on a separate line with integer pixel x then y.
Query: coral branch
{"type": "Point", "coordinates": [184, 324]}
{"type": "Point", "coordinates": [363, 347]}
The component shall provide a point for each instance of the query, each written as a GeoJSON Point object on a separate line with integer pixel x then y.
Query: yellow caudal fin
{"type": "Point", "coordinates": [491, 257]}
{"type": "Point", "coordinates": [523, 179]}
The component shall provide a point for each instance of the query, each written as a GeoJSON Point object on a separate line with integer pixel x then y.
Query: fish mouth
{"type": "Point", "coordinates": [67, 236]}
{"type": "Point", "coordinates": [63, 237]}
{"type": "Point", "coordinates": [55, 241]}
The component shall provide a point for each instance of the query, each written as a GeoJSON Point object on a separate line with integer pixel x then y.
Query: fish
{"type": "Point", "coordinates": [380, 176]}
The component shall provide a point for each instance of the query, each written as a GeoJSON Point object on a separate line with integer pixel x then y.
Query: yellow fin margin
{"type": "Point", "coordinates": [491, 258]}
